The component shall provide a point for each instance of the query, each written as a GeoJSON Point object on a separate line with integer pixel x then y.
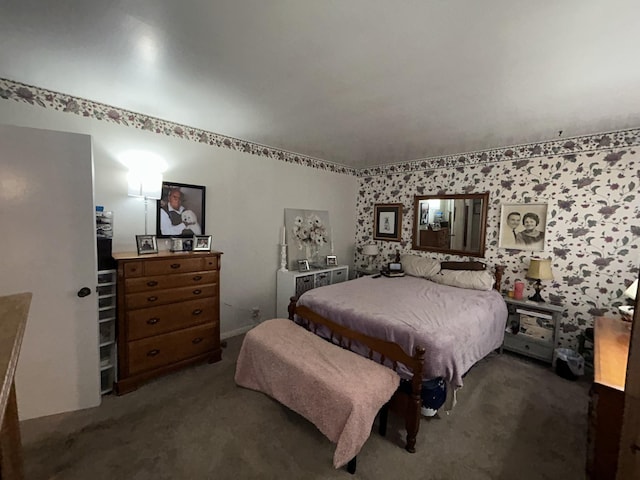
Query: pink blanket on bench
{"type": "Point", "coordinates": [339, 391]}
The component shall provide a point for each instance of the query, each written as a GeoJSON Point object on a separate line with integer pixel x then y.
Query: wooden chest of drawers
{"type": "Point", "coordinates": [168, 313]}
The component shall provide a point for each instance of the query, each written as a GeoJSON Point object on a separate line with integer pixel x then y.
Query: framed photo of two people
{"type": "Point", "coordinates": [523, 226]}
{"type": "Point", "coordinates": [180, 210]}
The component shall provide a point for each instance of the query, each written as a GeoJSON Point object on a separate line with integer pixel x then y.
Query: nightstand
{"type": "Point", "coordinates": [363, 272]}
{"type": "Point", "coordinates": [532, 328]}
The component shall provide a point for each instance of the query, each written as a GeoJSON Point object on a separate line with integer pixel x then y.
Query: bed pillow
{"type": "Point", "coordinates": [475, 280]}
{"type": "Point", "coordinates": [417, 266]}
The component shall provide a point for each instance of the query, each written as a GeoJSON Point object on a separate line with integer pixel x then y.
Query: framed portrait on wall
{"type": "Point", "coordinates": [523, 226]}
{"type": "Point", "coordinates": [387, 222]}
{"type": "Point", "coordinates": [181, 210]}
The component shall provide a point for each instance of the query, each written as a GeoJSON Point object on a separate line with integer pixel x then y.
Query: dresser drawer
{"type": "Point", "coordinates": [161, 350]}
{"type": "Point", "coordinates": [163, 297]}
{"type": "Point", "coordinates": [174, 265]}
{"type": "Point", "coordinates": [161, 282]}
{"type": "Point", "coordinates": [151, 321]}
{"type": "Point", "coordinates": [521, 344]}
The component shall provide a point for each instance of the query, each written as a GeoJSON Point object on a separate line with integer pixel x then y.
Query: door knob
{"type": "Point", "coordinates": [84, 291]}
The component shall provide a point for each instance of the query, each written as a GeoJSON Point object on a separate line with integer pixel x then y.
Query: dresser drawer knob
{"type": "Point", "coordinates": [152, 299]}
{"type": "Point", "coordinates": [197, 291]}
{"type": "Point", "coordinates": [197, 311]}
{"type": "Point", "coordinates": [152, 283]}
{"type": "Point", "coordinates": [153, 321]}
{"type": "Point", "coordinates": [197, 278]}
{"type": "Point", "coordinates": [197, 340]}
{"type": "Point", "coordinates": [153, 353]}
{"type": "Point", "coordinates": [175, 265]}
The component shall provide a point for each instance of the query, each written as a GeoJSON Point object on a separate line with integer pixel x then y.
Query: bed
{"type": "Point", "coordinates": [456, 326]}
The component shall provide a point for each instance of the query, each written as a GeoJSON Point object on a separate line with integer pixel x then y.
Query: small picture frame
{"type": "Point", "coordinates": [176, 244]}
{"type": "Point", "coordinates": [202, 243]}
{"type": "Point", "coordinates": [146, 244]}
{"type": "Point", "coordinates": [332, 260]}
{"type": "Point", "coordinates": [387, 222]}
{"type": "Point", "coordinates": [187, 244]}
{"type": "Point", "coordinates": [303, 265]}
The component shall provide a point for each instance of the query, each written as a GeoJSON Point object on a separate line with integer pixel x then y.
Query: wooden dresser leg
{"type": "Point", "coordinates": [11, 466]}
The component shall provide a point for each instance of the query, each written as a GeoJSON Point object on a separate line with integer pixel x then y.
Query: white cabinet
{"type": "Point", "coordinates": [107, 328]}
{"type": "Point", "coordinates": [292, 283]}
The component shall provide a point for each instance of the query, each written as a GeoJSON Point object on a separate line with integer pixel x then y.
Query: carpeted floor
{"type": "Point", "coordinates": [515, 419]}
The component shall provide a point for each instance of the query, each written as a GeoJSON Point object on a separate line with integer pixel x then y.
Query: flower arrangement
{"type": "Point", "coordinates": [309, 231]}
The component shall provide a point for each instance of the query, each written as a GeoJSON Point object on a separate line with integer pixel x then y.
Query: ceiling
{"type": "Point", "coordinates": [356, 82]}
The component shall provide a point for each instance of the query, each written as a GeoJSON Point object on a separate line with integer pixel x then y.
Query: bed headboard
{"type": "Point", "coordinates": [475, 266]}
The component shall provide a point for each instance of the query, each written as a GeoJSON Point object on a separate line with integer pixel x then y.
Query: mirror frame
{"type": "Point", "coordinates": [455, 196]}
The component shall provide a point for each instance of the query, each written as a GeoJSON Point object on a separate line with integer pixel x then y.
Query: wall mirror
{"type": "Point", "coordinates": [451, 223]}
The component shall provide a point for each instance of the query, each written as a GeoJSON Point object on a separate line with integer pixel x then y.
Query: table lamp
{"type": "Point", "coordinates": [539, 269]}
{"type": "Point", "coordinates": [630, 292]}
{"type": "Point", "coordinates": [370, 251]}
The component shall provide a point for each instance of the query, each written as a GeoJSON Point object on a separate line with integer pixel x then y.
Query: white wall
{"type": "Point", "coordinates": [246, 198]}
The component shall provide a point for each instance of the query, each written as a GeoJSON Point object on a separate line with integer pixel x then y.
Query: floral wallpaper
{"type": "Point", "coordinates": [593, 222]}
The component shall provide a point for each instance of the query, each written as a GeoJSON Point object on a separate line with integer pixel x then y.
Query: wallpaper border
{"type": "Point", "coordinates": [36, 96]}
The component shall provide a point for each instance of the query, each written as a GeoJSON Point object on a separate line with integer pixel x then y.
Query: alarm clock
{"type": "Point", "coordinates": [394, 267]}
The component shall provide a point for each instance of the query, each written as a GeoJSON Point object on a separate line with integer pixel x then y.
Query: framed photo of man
{"type": "Point", "coordinates": [523, 226]}
{"type": "Point", "coordinates": [181, 210]}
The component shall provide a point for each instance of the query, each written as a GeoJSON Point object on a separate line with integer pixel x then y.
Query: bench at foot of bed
{"type": "Point", "coordinates": [337, 390]}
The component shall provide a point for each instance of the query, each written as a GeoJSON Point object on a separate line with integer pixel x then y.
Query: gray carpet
{"type": "Point", "coordinates": [515, 419]}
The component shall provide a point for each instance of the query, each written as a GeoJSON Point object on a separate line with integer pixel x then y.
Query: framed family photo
{"type": "Point", "coordinates": [202, 243]}
{"type": "Point", "coordinates": [181, 210]}
{"type": "Point", "coordinates": [523, 226]}
{"type": "Point", "coordinates": [387, 222]}
{"type": "Point", "coordinates": [146, 244]}
{"type": "Point", "coordinates": [332, 260]}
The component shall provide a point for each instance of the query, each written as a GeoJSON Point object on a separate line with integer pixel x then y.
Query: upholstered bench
{"type": "Point", "coordinates": [337, 390]}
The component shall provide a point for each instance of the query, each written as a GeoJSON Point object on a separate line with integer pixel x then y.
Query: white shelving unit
{"type": "Point", "coordinates": [290, 283]}
{"type": "Point", "coordinates": [107, 303]}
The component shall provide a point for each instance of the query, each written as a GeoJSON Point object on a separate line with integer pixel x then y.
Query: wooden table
{"type": "Point", "coordinates": [611, 351]}
{"type": "Point", "coordinates": [13, 318]}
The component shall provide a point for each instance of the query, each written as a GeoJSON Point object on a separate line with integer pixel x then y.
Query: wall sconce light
{"type": "Point", "coordinates": [539, 269]}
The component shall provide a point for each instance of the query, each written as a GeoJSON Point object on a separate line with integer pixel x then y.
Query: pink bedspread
{"type": "Point", "coordinates": [456, 326]}
{"type": "Point", "coordinates": [337, 390]}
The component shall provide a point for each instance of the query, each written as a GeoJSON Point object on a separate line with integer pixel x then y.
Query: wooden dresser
{"type": "Point", "coordinates": [168, 313]}
{"type": "Point", "coordinates": [611, 350]}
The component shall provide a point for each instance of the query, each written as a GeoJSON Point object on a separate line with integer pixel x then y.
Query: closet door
{"type": "Point", "coordinates": [49, 248]}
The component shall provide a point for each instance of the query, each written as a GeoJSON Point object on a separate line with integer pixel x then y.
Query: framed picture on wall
{"type": "Point", "coordinates": [387, 222]}
{"type": "Point", "coordinates": [181, 210]}
{"type": "Point", "coordinates": [523, 226]}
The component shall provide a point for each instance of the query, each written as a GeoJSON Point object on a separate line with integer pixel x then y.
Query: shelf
{"type": "Point", "coordinates": [110, 307]}
{"type": "Point", "coordinates": [104, 320]}
{"type": "Point", "coordinates": [106, 367]}
{"type": "Point", "coordinates": [529, 339]}
{"type": "Point", "coordinates": [105, 344]}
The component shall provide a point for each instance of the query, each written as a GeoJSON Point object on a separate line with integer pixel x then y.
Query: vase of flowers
{"type": "Point", "coordinates": [310, 234]}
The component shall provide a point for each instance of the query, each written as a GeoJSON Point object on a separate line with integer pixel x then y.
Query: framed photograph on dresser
{"type": "Point", "coordinates": [146, 244]}
{"type": "Point", "coordinates": [202, 243]}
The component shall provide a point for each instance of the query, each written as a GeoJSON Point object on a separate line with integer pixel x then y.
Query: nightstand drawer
{"type": "Point", "coordinates": [527, 346]}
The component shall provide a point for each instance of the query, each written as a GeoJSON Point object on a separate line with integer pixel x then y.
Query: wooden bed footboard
{"type": "Point", "coordinates": [387, 352]}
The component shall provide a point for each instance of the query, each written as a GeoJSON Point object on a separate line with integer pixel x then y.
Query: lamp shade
{"type": "Point", "coordinates": [632, 291]}
{"type": "Point", "coordinates": [370, 250]}
{"type": "Point", "coordinates": [540, 269]}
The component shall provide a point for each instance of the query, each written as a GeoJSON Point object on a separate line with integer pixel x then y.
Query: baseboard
{"type": "Point", "coordinates": [236, 332]}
